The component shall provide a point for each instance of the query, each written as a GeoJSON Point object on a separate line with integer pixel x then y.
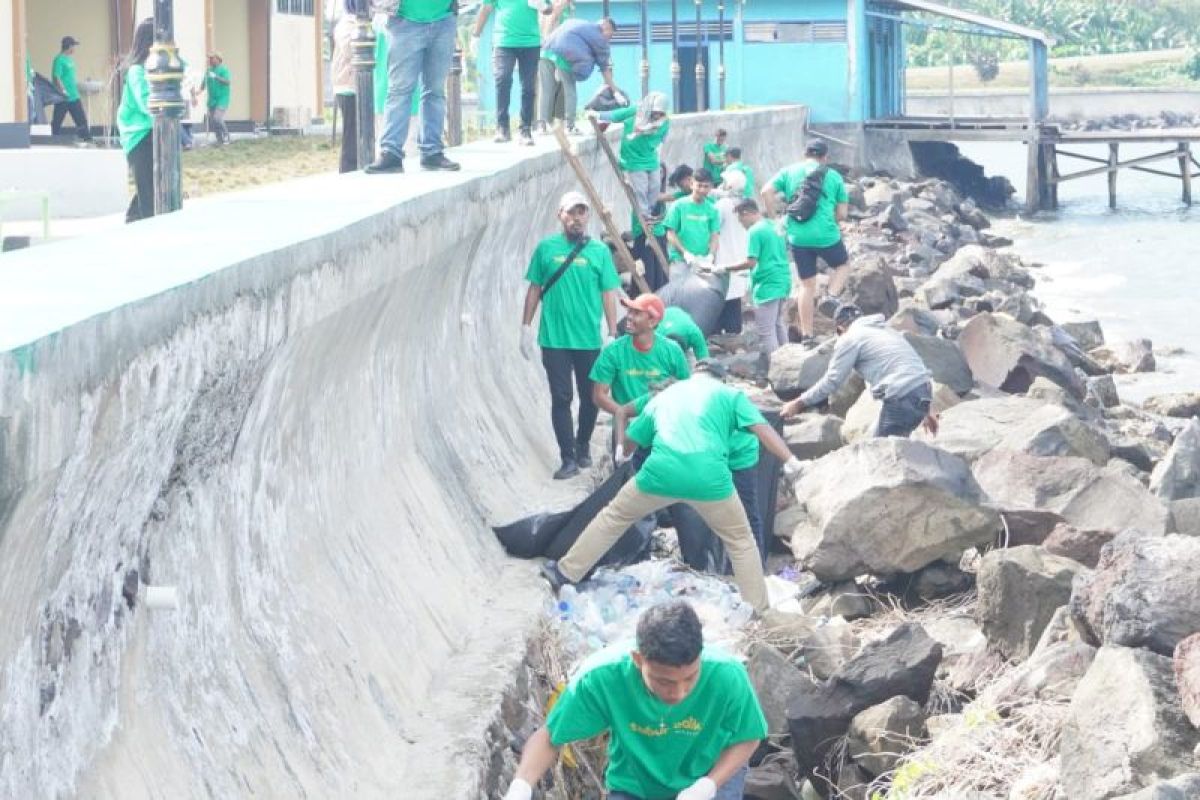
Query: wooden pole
{"type": "Point", "coordinates": [651, 239]}
{"type": "Point", "coordinates": [164, 71]}
{"type": "Point", "coordinates": [1113, 161]}
{"type": "Point", "coordinates": [1185, 171]}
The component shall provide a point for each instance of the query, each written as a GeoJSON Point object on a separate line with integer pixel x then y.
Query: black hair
{"type": "Point", "coordinates": [817, 148]}
{"type": "Point", "coordinates": [746, 206]}
{"type": "Point", "coordinates": [679, 173]}
{"type": "Point", "coordinates": [615, 27]}
{"type": "Point", "coordinates": [722, 132]}
{"type": "Point", "coordinates": [670, 634]}
{"type": "Point", "coordinates": [702, 176]}
{"type": "Point", "coordinates": [143, 40]}
{"type": "Point", "coordinates": [734, 152]}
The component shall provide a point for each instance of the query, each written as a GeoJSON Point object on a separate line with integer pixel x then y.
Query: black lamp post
{"type": "Point", "coordinates": [700, 72]}
{"type": "Point", "coordinates": [362, 59]}
{"type": "Point", "coordinates": [164, 72]}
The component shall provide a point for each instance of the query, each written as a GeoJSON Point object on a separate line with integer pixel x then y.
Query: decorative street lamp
{"type": "Point", "coordinates": [700, 76]}
{"type": "Point", "coordinates": [675, 71]}
{"type": "Point", "coordinates": [164, 72]}
{"type": "Point", "coordinates": [362, 59]}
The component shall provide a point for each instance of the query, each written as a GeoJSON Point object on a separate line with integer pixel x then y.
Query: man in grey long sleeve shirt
{"type": "Point", "coordinates": [889, 365]}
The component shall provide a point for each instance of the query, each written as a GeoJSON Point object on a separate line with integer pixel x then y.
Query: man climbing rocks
{"type": "Point", "coordinates": [678, 325]}
{"type": "Point", "coordinates": [574, 280]}
{"type": "Point", "coordinates": [645, 127]}
{"type": "Point", "coordinates": [570, 55]}
{"type": "Point", "coordinates": [889, 365]}
{"type": "Point", "coordinates": [818, 237]}
{"type": "Point", "coordinates": [683, 718]}
{"type": "Point", "coordinates": [715, 154]}
{"type": "Point", "coordinates": [689, 429]}
{"type": "Point", "coordinates": [634, 364]}
{"type": "Point", "coordinates": [693, 223]}
{"type": "Point", "coordinates": [770, 277]}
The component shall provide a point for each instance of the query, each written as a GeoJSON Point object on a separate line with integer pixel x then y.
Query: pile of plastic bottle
{"type": "Point", "coordinates": [604, 610]}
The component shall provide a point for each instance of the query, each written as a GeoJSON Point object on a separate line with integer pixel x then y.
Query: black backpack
{"type": "Point", "coordinates": [804, 205]}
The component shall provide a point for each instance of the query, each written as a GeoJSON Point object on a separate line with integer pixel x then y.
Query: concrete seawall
{"type": "Point", "coordinates": [302, 406]}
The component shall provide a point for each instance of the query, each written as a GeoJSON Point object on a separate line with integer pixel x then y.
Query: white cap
{"type": "Point", "coordinates": [572, 199]}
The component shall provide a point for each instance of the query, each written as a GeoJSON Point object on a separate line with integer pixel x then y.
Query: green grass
{"type": "Point", "coordinates": [255, 162]}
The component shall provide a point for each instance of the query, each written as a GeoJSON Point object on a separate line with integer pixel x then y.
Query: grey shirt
{"type": "Point", "coordinates": [887, 363]}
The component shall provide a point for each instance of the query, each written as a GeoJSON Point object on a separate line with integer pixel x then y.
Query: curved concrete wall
{"type": "Point", "coordinates": [303, 407]}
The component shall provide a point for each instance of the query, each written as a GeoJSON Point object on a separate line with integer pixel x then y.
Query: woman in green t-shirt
{"type": "Point", "coordinates": [135, 124]}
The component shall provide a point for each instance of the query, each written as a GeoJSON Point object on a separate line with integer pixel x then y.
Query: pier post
{"type": "Point", "coordinates": [1185, 171]}
{"type": "Point", "coordinates": [1113, 159]}
{"type": "Point", "coordinates": [1033, 176]}
{"type": "Point", "coordinates": [701, 76]}
{"type": "Point", "coordinates": [164, 71]}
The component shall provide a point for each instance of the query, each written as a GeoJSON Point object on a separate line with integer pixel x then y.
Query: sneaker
{"type": "Point", "coordinates": [542, 129]}
{"type": "Point", "coordinates": [439, 163]}
{"type": "Point", "coordinates": [808, 342]}
{"type": "Point", "coordinates": [573, 131]}
{"type": "Point", "coordinates": [526, 138]}
{"type": "Point", "coordinates": [569, 469]}
{"type": "Point", "coordinates": [553, 576]}
{"type": "Point", "coordinates": [502, 137]}
{"type": "Point", "coordinates": [387, 163]}
{"type": "Point", "coordinates": [827, 305]}
{"type": "Point", "coordinates": [583, 455]}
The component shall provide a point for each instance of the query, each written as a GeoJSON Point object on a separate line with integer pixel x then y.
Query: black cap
{"type": "Point", "coordinates": [69, 41]}
{"type": "Point", "coordinates": [846, 313]}
{"type": "Point", "coordinates": [817, 148]}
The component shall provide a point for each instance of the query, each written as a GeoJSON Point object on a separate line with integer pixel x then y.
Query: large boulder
{"type": "Point", "coordinates": [795, 368]}
{"type": "Point", "coordinates": [881, 734]}
{"type": "Point", "coordinates": [944, 361]}
{"type": "Point", "coordinates": [1136, 355]}
{"type": "Point", "coordinates": [1083, 546]}
{"type": "Point", "coordinates": [1185, 516]}
{"type": "Point", "coordinates": [1183, 787]}
{"type": "Point", "coordinates": [1017, 424]}
{"type": "Point", "coordinates": [1124, 729]}
{"type": "Point", "coordinates": [1088, 335]}
{"type": "Point", "coordinates": [1052, 672]}
{"type": "Point", "coordinates": [871, 287]}
{"type": "Point", "coordinates": [774, 678]}
{"type": "Point", "coordinates": [886, 506]}
{"type": "Point", "coordinates": [1177, 476]}
{"type": "Point", "coordinates": [1082, 494]}
{"type": "Point", "coordinates": [813, 435]}
{"type": "Point", "coordinates": [1181, 404]}
{"type": "Point", "coordinates": [914, 319]}
{"type": "Point", "coordinates": [1008, 355]}
{"type": "Point", "coordinates": [1020, 588]}
{"type": "Point", "coordinates": [1143, 593]}
{"type": "Point", "coordinates": [1187, 676]}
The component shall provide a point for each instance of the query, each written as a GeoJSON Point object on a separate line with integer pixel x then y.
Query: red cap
{"type": "Point", "coordinates": [652, 304]}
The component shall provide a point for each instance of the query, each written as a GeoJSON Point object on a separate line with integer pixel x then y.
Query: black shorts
{"type": "Point", "coordinates": [806, 258]}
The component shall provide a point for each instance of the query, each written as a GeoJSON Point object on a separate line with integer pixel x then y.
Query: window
{"type": "Point", "coordinates": [795, 32]}
{"type": "Point", "coordinates": [301, 7]}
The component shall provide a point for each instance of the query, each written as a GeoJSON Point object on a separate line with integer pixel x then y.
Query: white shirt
{"type": "Point", "coordinates": [734, 241]}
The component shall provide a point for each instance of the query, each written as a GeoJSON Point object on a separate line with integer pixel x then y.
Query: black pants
{"type": "Point", "coordinates": [78, 116]}
{"type": "Point", "coordinates": [560, 366]}
{"type": "Point", "coordinates": [526, 61]}
{"type": "Point", "coordinates": [348, 108]}
{"type": "Point", "coordinates": [656, 274]}
{"type": "Point", "coordinates": [730, 320]}
{"type": "Point", "coordinates": [141, 161]}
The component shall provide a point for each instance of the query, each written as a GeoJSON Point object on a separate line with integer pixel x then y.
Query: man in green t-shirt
{"type": "Point", "coordinates": [713, 158]}
{"type": "Point", "coordinates": [690, 429]}
{"type": "Point", "coordinates": [683, 719]}
{"type": "Point", "coordinates": [62, 71]}
{"type": "Point", "coordinates": [217, 82]}
{"type": "Point", "coordinates": [770, 277]}
{"type": "Point", "coordinates": [694, 224]}
{"type": "Point", "coordinates": [819, 237]}
{"type": "Point", "coordinates": [735, 164]}
{"type": "Point", "coordinates": [645, 127]}
{"type": "Point", "coordinates": [573, 278]}
{"type": "Point", "coordinates": [517, 42]}
{"type": "Point", "coordinates": [678, 324]}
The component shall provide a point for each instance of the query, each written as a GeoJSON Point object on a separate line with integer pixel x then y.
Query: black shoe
{"type": "Point", "coordinates": [553, 577]}
{"type": "Point", "coordinates": [569, 469]}
{"type": "Point", "coordinates": [439, 163]}
{"type": "Point", "coordinates": [526, 138]}
{"type": "Point", "coordinates": [502, 137]}
{"type": "Point", "coordinates": [808, 342]}
{"type": "Point", "coordinates": [827, 305]}
{"type": "Point", "coordinates": [387, 163]}
{"type": "Point", "coordinates": [583, 455]}
{"type": "Point", "coordinates": [573, 131]}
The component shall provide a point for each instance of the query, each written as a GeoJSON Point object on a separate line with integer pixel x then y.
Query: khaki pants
{"type": "Point", "coordinates": [726, 517]}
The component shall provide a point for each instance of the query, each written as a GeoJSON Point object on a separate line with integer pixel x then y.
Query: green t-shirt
{"type": "Point", "coordinates": [689, 429]}
{"type": "Point", "coordinates": [133, 115]}
{"type": "Point", "coordinates": [694, 223]}
{"type": "Point", "coordinates": [714, 150]}
{"type": "Point", "coordinates": [631, 373]}
{"type": "Point", "coordinates": [657, 750]}
{"type": "Point", "coordinates": [743, 451]}
{"type": "Point", "coordinates": [516, 24]}
{"type": "Point", "coordinates": [218, 93]}
{"type": "Point", "coordinates": [749, 173]}
{"type": "Point", "coordinates": [638, 153]}
{"type": "Point", "coordinates": [63, 69]}
{"type": "Point", "coordinates": [423, 10]}
{"type": "Point", "coordinates": [771, 278]}
{"type": "Point", "coordinates": [679, 325]}
{"type": "Point", "coordinates": [821, 230]}
{"type": "Point", "coordinates": [572, 310]}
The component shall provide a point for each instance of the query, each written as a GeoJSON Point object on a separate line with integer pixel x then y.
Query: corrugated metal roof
{"type": "Point", "coordinates": [968, 17]}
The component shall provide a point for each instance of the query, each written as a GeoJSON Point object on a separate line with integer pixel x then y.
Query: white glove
{"type": "Point", "coordinates": [718, 269]}
{"type": "Point", "coordinates": [793, 467]}
{"type": "Point", "coordinates": [703, 789]}
{"type": "Point", "coordinates": [688, 258]}
{"type": "Point", "coordinates": [620, 97]}
{"type": "Point", "coordinates": [528, 341]}
{"type": "Point", "coordinates": [519, 790]}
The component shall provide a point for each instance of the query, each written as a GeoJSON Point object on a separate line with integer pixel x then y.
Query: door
{"type": "Point", "coordinates": [688, 55]}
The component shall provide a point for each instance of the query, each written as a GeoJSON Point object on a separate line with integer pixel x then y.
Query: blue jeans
{"type": "Point", "coordinates": [734, 789]}
{"type": "Point", "coordinates": [417, 50]}
{"type": "Point", "coordinates": [900, 416]}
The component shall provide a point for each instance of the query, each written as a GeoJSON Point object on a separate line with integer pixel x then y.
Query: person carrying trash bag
{"type": "Point", "coordinates": [689, 429]}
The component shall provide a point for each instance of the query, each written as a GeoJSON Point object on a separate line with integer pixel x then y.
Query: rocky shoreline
{"type": "Point", "coordinates": [1131, 122]}
{"type": "Point", "coordinates": [1010, 608]}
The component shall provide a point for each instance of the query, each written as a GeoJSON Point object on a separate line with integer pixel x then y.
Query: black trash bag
{"type": "Point", "coordinates": [701, 296]}
{"type": "Point", "coordinates": [605, 99]}
{"type": "Point", "coordinates": [551, 535]}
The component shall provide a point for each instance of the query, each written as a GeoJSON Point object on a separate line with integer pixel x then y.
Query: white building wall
{"type": "Point", "coordinates": [293, 67]}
